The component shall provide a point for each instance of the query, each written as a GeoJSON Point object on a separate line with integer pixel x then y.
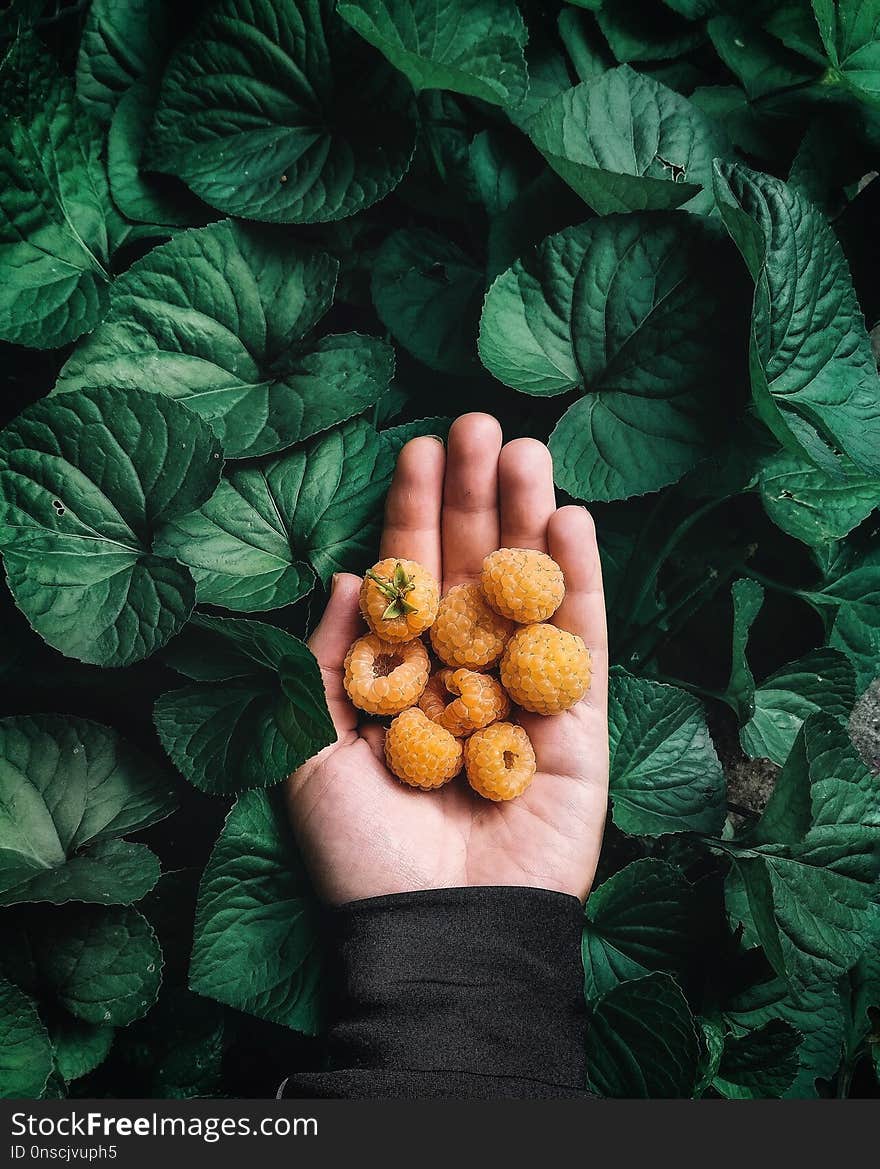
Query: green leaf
{"type": "Point", "coordinates": [817, 1017]}
{"type": "Point", "coordinates": [58, 226]}
{"type": "Point", "coordinates": [274, 110]}
{"type": "Point", "coordinates": [812, 506]}
{"type": "Point", "coordinates": [68, 789]}
{"type": "Point", "coordinates": [629, 309]}
{"type": "Point", "coordinates": [748, 597]}
{"type": "Point", "coordinates": [637, 32]}
{"type": "Point", "coordinates": [25, 1049]}
{"type": "Point", "coordinates": [139, 194]}
{"type": "Point", "coordinates": [637, 922]}
{"type": "Point", "coordinates": [850, 31]}
{"type": "Point", "coordinates": [761, 1064]}
{"type": "Point", "coordinates": [256, 724]}
{"type": "Point", "coordinates": [474, 47]}
{"type": "Point", "coordinates": [85, 477]}
{"type": "Point", "coordinates": [80, 1047]}
{"type": "Point", "coordinates": [103, 966]}
{"type": "Point", "coordinates": [256, 937]}
{"type": "Point", "coordinates": [861, 997]}
{"type": "Point", "coordinates": [761, 63]}
{"type": "Point", "coordinates": [428, 294]}
{"type": "Point", "coordinates": [821, 680]}
{"type": "Point", "coordinates": [856, 628]}
{"type": "Point", "coordinates": [624, 142]}
{"type": "Point", "coordinates": [810, 865]}
{"type": "Point", "coordinates": [814, 377]}
{"type": "Point", "coordinates": [642, 1042]}
{"type": "Point", "coordinates": [665, 774]}
{"type": "Point", "coordinates": [250, 546]}
{"type": "Point", "coordinates": [120, 43]}
{"type": "Point", "coordinates": [217, 319]}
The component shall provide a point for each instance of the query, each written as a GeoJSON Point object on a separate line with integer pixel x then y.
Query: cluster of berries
{"type": "Point", "coordinates": [460, 712]}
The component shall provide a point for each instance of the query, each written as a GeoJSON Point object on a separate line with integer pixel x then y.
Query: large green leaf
{"type": "Point", "coordinates": [122, 41]}
{"type": "Point", "coordinates": [817, 1017]}
{"type": "Point", "coordinates": [25, 1048]}
{"type": "Point", "coordinates": [821, 680]}
{"type": "Point", "coordinates": [856, 628]}
{"type": "Point", "coordinates": [428, 294]}
{"type": "Point", "coordinates": [761, 63]}
{"type": "Point", "coordinates": [637, 922]}
{"type": "Point", "coordinates": [665, 774]}
{"type": "Point", "coordinates": [216, 319]}
{"type": "Point", "coordinates": [811, 505]}
{"type": "Point", "coordinates": [642, 1041]}
{"type": "Point", "coordinates": [261, 715]}
{"type": "Point", "coordinates": [275, 110]}
{"type": "Point", "coordinates": [68, 789]}
{"type": "Point", "coordinates": [256, 937]}
{"type": "Point", "coordinates": [474, 47]}
{"type": "Point", "coordinates": [814, 377]}
{"type": "Point", "coordinates": [85, 477]}
{"type": "Point", "coordinates": [625, 142]}
{"type": "Point", "coordinates": [809, 867]}
{"type": "Point", "coordinates": [630, 309]}
{"type": "Point", "coordinates": [58, 226]}
{"type": "Point", "coordinates": [250, 546]}
{"type": "Point", "coordinates": [850, 31]}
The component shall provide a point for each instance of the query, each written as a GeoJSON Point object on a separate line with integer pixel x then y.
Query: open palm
{"type": "Point", "coordinates": [363, 832]}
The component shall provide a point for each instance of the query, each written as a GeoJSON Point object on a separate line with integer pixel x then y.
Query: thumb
{"type": "Point", "coordinates": [330, 642]}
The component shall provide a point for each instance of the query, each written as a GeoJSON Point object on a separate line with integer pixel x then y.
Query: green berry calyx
{"type": "Point", "coordinates": [395, 590]}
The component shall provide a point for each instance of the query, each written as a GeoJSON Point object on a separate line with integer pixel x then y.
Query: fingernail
{"type": "Point", "coordinates": [334, 581]}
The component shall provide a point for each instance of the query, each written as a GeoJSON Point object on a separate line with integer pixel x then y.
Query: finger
{"type": "Point", "coordinates": [330, 642]}
{"type": "Point", "coordinates": [526, 493]}
{"type": "Point", "coordinates": [470, 525]}
{"type": "Point", "coordinates": [412, 509]}
{"type": "Point", "coordinates": [571, 538]}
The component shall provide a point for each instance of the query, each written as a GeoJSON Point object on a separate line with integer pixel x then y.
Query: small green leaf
{"type": "Point", "coordinates": [812, 506]}
{"type": "Point", "coordinates": [428, 294]}
{"type": "Point", "coordinates": [821, 680]}
{"type": "Point", "coordinates": [474, 47]}
{"type": "Point", "coordinates": [856, 627]}
{"type": "Point", "coordinates": [761, 63]}
{"type": "Point", "coordinates": [626, 143]}
{"type": "Point", "coordinates": [85, 478]}
{"type": "Point", "coordinates": [263, 718]}
{"type": "Point", "coordinates": [665, 774]}
{"type": "Point", "coordinates": [639, 33]}
{"type": "Point", "coordinates": [68, 789]}
{"type": "Point", "coordinates": [761, 1064]}
{"type": "Point", "coordinates": [80, 1047]}
{"type": "Point", "coordinates": [748, 597]}
{"type": "Point", "coordinates": [121, 43]}
{"type": "Point", "coordinates": [850, 31]}
{"type": "Point", "coordinates": [637, 922]}
{"type": "Point", "coordinates": [642, 1041]}
{"type": "Point", "coordinates": [257, 944]}
{"type": "Point", "coordinates": [276, 111]}
{"type": "Point", "coordinates": [218, 319]}
{"type": "Point", "coordinates": [25, 1048]}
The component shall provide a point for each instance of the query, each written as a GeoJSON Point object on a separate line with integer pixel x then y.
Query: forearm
{"type": "Point", "coordinates": [473, 993]}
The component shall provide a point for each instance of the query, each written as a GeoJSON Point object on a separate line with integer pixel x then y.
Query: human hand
{"type": "Point", "coordinates": [363, 832]}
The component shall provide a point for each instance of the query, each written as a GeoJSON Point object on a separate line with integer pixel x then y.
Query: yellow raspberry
{"type": "Point", "coordinates": [399, 599]}
{"type": "Point", "coordinates": [421, 752]}
{"type": "Point", "coordinates": [479, 700]}
{"type": "Point", "coordinates": [500, 761]}
{"type": "Point", "coordinates": [467, 631]}
{"type": "Point", "coordinates": [546, 669]}
{"type": "Point", "coordinates": [522, 584]}
{"type": "Point", "coordinates": [384, 678]}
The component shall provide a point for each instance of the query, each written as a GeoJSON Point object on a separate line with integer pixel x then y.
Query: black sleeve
{"type": "Point", "coordinates": [470, 993]}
